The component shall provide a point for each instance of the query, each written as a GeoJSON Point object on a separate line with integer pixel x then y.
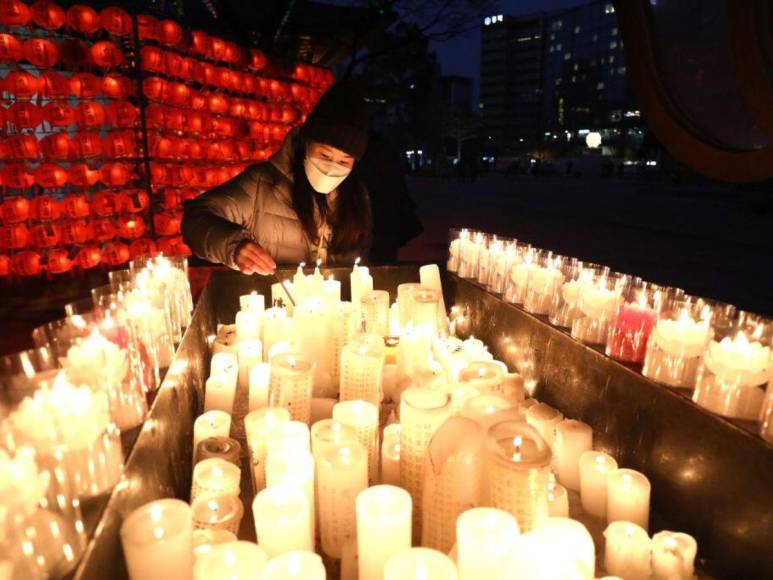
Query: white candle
{"type": "Point", "coordinates": [628, 497]}
{"type": "Point", "coordinates": [542, 285]}
{"type": "Point", "coordinates": [311, 338]}
{"type": "Point", "coordinates": [673, 556]}
{"type": "Point", "coordinates": [331, 291]}
{"type": "Point", "coordinates": [157, 541]}
{"type": "Point", "coordinates": [573, 438]}
{"type": "Point", "coordinates": [293, 467]}
{"type": "Point", "coordinates": [383, 527]}
{"type": "Point", "coordinates": [558, 499]}
{"type": "Point", "coordinates": [224, 363]}
{"type": "Point", "coordinates": [424, 309]}
{"type": "Point", "coordinates": [404, 302]}
{"type": "Point", "coordinates": [211, 424]}
{"type": "Point", "coordinates": [420, 564]}
{"type": "Point", "coordinates": [343, 474]}
{"type": "Point", "coordinates": [291, 380]}
{"type": "Point", "coordinates": [360, 282]}
{"type": "Point", "coordinates": [627, 551]}
{"type": "Point", "coordinates": [249, 353]}
{"type": "Point", "coordinates": [340, 331]}
{"type": "Point", "coordinates": [429, 276]}
{"type": "Point", "coordinates": [290, 436]}
{"type": "Point", "coordinates": [249, 325]}
{"type": "Point", "coordinates": [375, 312]}
{"type": "Point", "coordinates": [485, 376]}
{"type": "Point", "coordinates": [230, 561]}
{"type": "Point", "coordinates": [570, 541]}
{"type": "Point", "coordinates": [362, 362]}
{"type": "Point", "coordinates": [484, 538]}
{"type": "Point", "coordinates": [217, 512]}
{"type": "Point", "coordinates": [260, 379]}
{"type": "Point", "coordinates": [282, 522]}
{"type": "Point", "coordinates": [215, 476]}
{"type": "Point", "coordinates": [390, 455]}
{"type": "Point", "coordinates": [300, 284]}
{"type": "Point", "coordinates": [225, 339]}
{"type": "Point", "coordinates": [206, 539]}
{"type": "Point", "coordinates": [219, 392]}
{"type": "Point", "coordinates": [544, 419]}
{"type": "Point", "coordinates": [328, 433]}
{"type": "Point", "coordinates": [362, 416]}
{"type": "Point", "coordinates": [276, 328]}
{"type": "Point", "coordinates": [253, 302]}
{"type": "Point", "coordinates": [296, 565]}
{"type": "Point", "coordinates": [595, 468]}
{"type": "Point", "coordinates": [279, 295]}
{"type": "Point", "coordinates": [260, 427]}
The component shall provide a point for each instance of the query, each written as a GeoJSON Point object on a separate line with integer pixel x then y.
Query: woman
{"type": "Point", "coordinates": [303, 204]}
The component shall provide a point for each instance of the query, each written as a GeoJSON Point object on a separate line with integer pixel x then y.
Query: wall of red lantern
{"type": "Point", "coordinates": [77, 189]}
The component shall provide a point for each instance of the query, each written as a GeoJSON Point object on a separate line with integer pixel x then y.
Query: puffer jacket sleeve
{"type": "Point", "coordinates": [218, 220]}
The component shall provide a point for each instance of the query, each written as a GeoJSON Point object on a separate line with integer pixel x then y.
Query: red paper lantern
{"type": "Point", "coordinates": [76, 206]}
{"type": "Point", "coordinates": [89, 115]}
{"type": "Point", "coordinates": [200, 42]}
{"type": "Point", "coordinates": [85, 85]}
{"type": "Point", "coordinates": [116, 174]}
{"type": "Point", "coordinates": [146, 27]}
{"type": "Point", "coordinates": [172, 63]}
{"type": "Point", "coordinates": [198, 101]}
{"type": "Point", "coordinates": [88, 144]}
{"type": "Point", "coordinates": [106, 54]}
{"type": "Point", "coordinates": [21, 84]}
{"type": "Point", "coordinates": [25, 115]}
{"type": "Point", "coordinates": [23, 147]}
{"type": "Point", "coordinates": [51, 176]}
{"type": "Point", "coordinates": [169, 33]}
{"type": "Point", "coordinates": [152, 59]}
{"type": "Point", "coordinates": [167, 224]}
{"type": "Point", "coordinates": [258, 60]}
{"type": "Point", "coordinates": [167, 246]}
{"type": "Point", "coordinates": [115, 253]}
{"type": "Point", "coordinates": [88, 257]}
{"type": "Point", "coordinates": [122, 114]}
{"type": "Point", "coordinates": [13, 237]}
{"type": "Point", "coordinates": [45, 208]}
{"type": "Point", "coordinates": [58, 261]}
{"type": "Point", "coordinates": [186, 68]}
{"type": "Point", "coordinates": [81, 175]}
{"type": "Point", "coordinates": [15, 176]}
{"type": "Point", "coordinates": [154, 116]}
{"type": "Point", "coordinates": [119, 144]}
{"type": "Point", "coordinates": [212, 151]}
{"type": "Point", "coordinates": [117, 86]}
{"type": "Point", "coordinates": [174, 120]}
{"type": "Point", "coordinates": [131, 227]}
{"type": "Point", "coordinates": [103, 203]}
{"type": "Point", "coordinates": [14, 210]}
{"type": "Point", "coordinates": [116, 21]}
{"type": "Point", "coordinates": [74, 232]}
{"type": "Point", "coordinates": [59, 114]}
{"type": "Point", "coordinates": [26, 263]}
{"type": "Point", "coordinates": [224, 78]}
{"type": "Point", "coordinates": [153, 88]}
{"type": "Point", "coordinates": [180, 147]}
{"type": "Point", "coordinates": [217, 103]}
{"type": "Point", "coordinates": [73, 53]}
{"type": "Point", "coordinates": [41, 52]}
{"type": "Point", "coordinates": [232, 53]}
{"type": "Point", "coordinates": [54, 85]}
{"type": "Point", "coordinates": [11, 48]}
{"type": "Point", "coordinates": [132, 201]}
{"type": "Point", "coordinates": [161, 147]}
{"type": "Point", "coordinates": [172, 199]}
{"type": "Point", "coordinates": [247, 83]}
{"type": "Point", "coordinates": [217, 48]}
{"type": "Point", "coordinates": [83, 19]}
{"type": "Point", "coordinates": [56, 146]}
{"type": "Point", "coordinates": [178, 94]}
{"type": "Point", "coordinates": [47, 15]}
{"type": "Point", "coordinates": [14, 13]}
{"type": "Point", "coordinates": [141, 247]}
{"type": "Point", "coordinates": [195, 150]}
{"type": "Point", "coordinates": [44, 235]}
{"type": "Point", "coordinates": [103, 230]}
{"type": "Point", "coordinates": [5, 266]}
{"type": "Point", "coordinates": [194, 122]}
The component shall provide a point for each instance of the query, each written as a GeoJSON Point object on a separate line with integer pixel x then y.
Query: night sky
{"type": "Point", "coordinates": [461, 56]}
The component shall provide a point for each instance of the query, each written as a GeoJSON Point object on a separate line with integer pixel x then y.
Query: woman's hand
{"type": "Point", "coordinates": [250, 258]}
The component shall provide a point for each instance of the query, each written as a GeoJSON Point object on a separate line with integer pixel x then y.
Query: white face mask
{"type": "Point", "coordinates": [324, 176]}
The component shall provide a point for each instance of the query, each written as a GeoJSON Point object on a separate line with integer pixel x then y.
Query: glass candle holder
{"type": "Point", "coordinates": [222, 511]}
{"type": "Point", "coordinates": [489, 248]}
{"type": "Point", "coordinates": [598, 302]}
{"type": "Point", "coordinates": [22, 373]}
{"type": "Point", "coordinates": [362, 361]}
{"type": "Point", "coordinates": [424, 309]}
{"type": "Point", "coordinates": [291, 384]}
{"type": "Point", "coordinates": [766, 415]}
{"type": "Point", "coordinates": [470, 247]}
{"type": "Point", "coordinates": [375, 312]}
{"type": "Point", "coordinates": [543, 283]}
{"type": "Point", "coordinates": [563, 308]}
{"type": "Point", "coordinates": [501, 262]}
{"type": "Point", "coordinates": [518, 276]}
{"type": "Point", "coordinates": [454, 245]}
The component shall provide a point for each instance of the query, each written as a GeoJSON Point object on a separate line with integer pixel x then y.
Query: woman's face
{"type": "Point", "coordinates": [320, 151]}
{"type": "Point", "coordinates": [326, 167]}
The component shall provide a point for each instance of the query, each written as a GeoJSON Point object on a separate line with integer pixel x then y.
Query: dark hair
{"type": "Point", "coordinates": [350, 222]}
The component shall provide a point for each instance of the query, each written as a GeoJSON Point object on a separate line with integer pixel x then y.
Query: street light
{"type": "Point", "coordinates": [593, 139]}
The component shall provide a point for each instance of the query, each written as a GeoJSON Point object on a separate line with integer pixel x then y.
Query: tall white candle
{"type": "Point", "coordinates": [225, 339]}
{"type": "Point", "coordinates": [429, 277]}
{"type": "Point", "coordinates": [157, 541]}
{"type": "Point", "coordinates": [558, 499]}
{"type": "Point", "coordinates": [571, 541]}
{"type": "Point", "coordinates": [424, 310]}
{"type": "Point", "coordinates": [362, 416]}
{"type": "Point", "coordinates": [211, 424]}
{"type": "Point", "coordinates": [291, 385]}
{"type": "Point", "coordinates": [383, 527]}
{"type": "Point", "coordinates": [343, 474]}
{"type": "Point", "coordinates": [295, 565]}
{"type": "Point", "coordinates": [282, 522]}
{"type": "Point", "coordinates": [248, 325]}
{"type": "Point", "coordinates": [362, 362]}
{"type": "Point", "coordinates": [224, 363]}
{"type": "Point", "coordinates": [673, 556]}
{"type": "Point", "coordinates": [485, 376]}
{"type": "Point", "coordinates": [328, 433]}
{"type": "Point", "coordinates": [311, 333]}
{"type": "Point", "coordinates": [259, 381]}
{"type": "Point", "coordinates": [279, 295]}
{"type": "Point", "coordinates": [249, 353]}
{"type": "Point", "coordinates": [276, 328]}
{"type": "Point", "coordinates": [215, 476]}
{"type": "Point", "coordinates": [219, 393]}
{"type": "Point", "coordinates": [573, 438]}
{"type": "Point", "coordinates": [206, 539]}
{"type": "Point", "coordinates": [390, 455]}
{"type": "Point", "coordinates": [260, 427]}
{"type": "Point", "coordinates": [628, 497]}
{"type": "Point", "coordinates": [331, 291]}
{"type": "Point", "coordinates": [360, 282]}
{"type": "Point", "coordinates": [627, 551]}
{"type": "Point", "coordinates": [544, 419]}
{"type": "Point", "coordinates": [420, 564]}
{"type": "Point", "coordinates": [253, 302]}
{"type": "Point", "coordinates": [595, 468]}
{"type": "Point", "coordinates": [231, 561]}
{"type": "Point", "coordinates": [375, 312]}
{"type": "Point", "coordinates": [292, 467]}
{"type": "Point", "coordinates": [484, 538]}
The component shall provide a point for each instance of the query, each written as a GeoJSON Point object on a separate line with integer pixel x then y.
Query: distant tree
{"type": "Point", "coordinates": [460, 126]}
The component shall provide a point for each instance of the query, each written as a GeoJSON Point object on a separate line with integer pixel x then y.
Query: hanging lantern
{"type": "Point", "coordinates": [228, 150]}
{"type": "Point", "coordinates": [85, 85]}
{"type": "Point", "coordinates": [151, 59]}
{"type": "Point", "coordinates": [89, 115]}
{"type": "Point", "coordinates": [167, 224]}
{"type": "Point", "coordinates": [224, 78]}
{"type": "Point", "coordinates": [103, 230]}
{"type": "Point", "coordinates": [44, 235]}
{"type": "Point", "coordinates": [172, 63]}
{"type": "Point", "coordinates": [88, 144]}
{"type": "Point", "coordinates": [50, 176]}
{"type": "Point", "coordinates": [172, 199]}
{"type": "Point", "coordinates": [116, 174]}
{"type": "Point", "coordinates": [54, 85]}
{"type": "Point", "coordinates": [186, 68]}
{"type": "Point", "coordinates": [56, 147]}
{"type": "Point", "coordinates": [131, 227]}
{"type": "Point", "coordinates": [180, 147]}
{"type": "Point", "coordinates": [195, 150]}
{"type": "Point", "coordinates": [212, 151]}
{"type": "Point", "coordinates": [21, 84]}
{"type": "Point", "coordinates": [47, 15]}
{"type": "Point", "coordinates": [14, 210]}
{"type": "Point", "coordinates": [154, 116]}
{"type": "Point", "coordinates": [169, 33]}
{"type": "Point", "coordinates": [81, 175]}
{"type": "Point", "coordinates": [141, 247]}
{"type": "Point", "coordinates": [76, 206]}
{"type": "Point", "coordinates": [217, 103]}
{"type": "Point", "coordinates": [146, 27]}
{"type": "Point", "coordinates": [132, 201]}
{"type": "Point", "coordinates": [88, 257]}
{"type": "Point", "coordinates": [45, 208]}
{"type": "Point", "coordinates": [122, 114]}
{"type": "Point", "coordinates": [217, 48]}
{"type": "Point", "coordinates": [106, 54]}
{"type": "Point", "coordinates": [115, 253]}
{"type": "Point", "coordinates": [23, 147]}
{"type": "Point", "coordinates": [59, 114]}
{"type": "Point", "coordinates": [83, 19]}
{"type": "Point", "coordinates": [160, 147]}
{"type": "Point", "coordinates": [237, 108]}
{"type": "Point", "coordinates": [153, 88]}
{"type": "Point", "coordinates": [41, 52]}
{"type": "Point", "coordinates": [116, 21]}
{"type": "Point", "coordinates": [14, 13]}
{"type": "Point", "coordinates": [14, 237]}
{"type": "Point", "coordinates": [25, 115]}
{"type": "Point", "coordinates": [119, 144]}
{"type": "Point", "coordinates": [258, 60]}
{"type": "Point", "coordinates": [26, 263]}
{"type": "Point", "coordinates": [117, 86]}
{"type": "Point", "coordinates": [178, 94]}
{"type": "Point", "coordinates": [194, 122]}
{"type": "Point", "coordinates": [247, 83]}
{"type": "Point", "coordinates": [158, 174]}
{"type": "Point", "coordinates": [232, 53]}
{"type": "Point", "coordinates": [198, 101]}
{"type": "Point", "coordinates": [103, 203]}
{"type": "Point", "coordinates": [200, 42]}
{"type": "Point", "coordinates": [288, 115]}
{"type": "Point", "coordinates": [5, 266]}
{"type": "Point", "coordinates": [11, 48]}
{"type": "Point", "coordinates": [174, 120]}
{"type": "Point", "coordinates": [74, 232]}
{"type": "Point", "coordinates": [58, 261]}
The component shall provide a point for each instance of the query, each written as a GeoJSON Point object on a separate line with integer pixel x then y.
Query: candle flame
{"type": "Point", "coordinates": [628, 531]}
{"type": "Point", "coordinates": [357, 262]}
{"type": "Point", "coordinates": [291, 361]}
{"type": "Point", "coordinates": [155, 513]}
{"type": "Point", "coordinates": [331, 278]}
{"type": "Point", "coordinates": [670, 543]}
{"type": "Point", "coordinates": [319, 262]}
{"type": "Point", "coordinates": [517, 443]}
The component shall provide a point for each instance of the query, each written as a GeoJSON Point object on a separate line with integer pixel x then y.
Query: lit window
{"type": "Point", "coordinates": [600, 86]}
{"type": "Point", "coordinates": [615, 31]}
{"type": "Point", "coordinates": [621, 70]}
{"type": "Point", "coordinates": [609, 8]}
{"type": "Point", "coordinates": [487, 21]}
{"type": "Point", "coordinates": [558, 81]}
{"type": "Point", "coordinates": [552, 36]}
{"type": "Point", "coordinates": [577, 29]}
{"type": "Point", "coordinates": [574, 79]}
{"type": "Point", "coordinates": [603, 59]}
{"type": "Point", "coordinates": [613, 44]}
{"type": "Point", "coordinates": [567, 56]}
{"type": "Point", "coordinates": [551, 48]}
{"type": "Point", "coordinates": [559, 24]}
{"type": "Point", "coordinates": [576, 66]}
{"type": "Point", "coordinates": [558, 47]}
{"type": "Point", "coordinates": [612, 59]}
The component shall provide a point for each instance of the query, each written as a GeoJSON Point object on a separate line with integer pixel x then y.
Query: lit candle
{"type": "Point", "coordinates": [211, 424]}
{"type": "Point", "coordinates": [290, 436]}
{"type": "Point", "coordinates": [628, 497]}
{"type": "Point", "coordinates": [296, 565]}
{"type": "Point", "coordinates": [424, 310]}
{"type": "Point", "coordinates": [429, 276]}
{"type": "Point", "coordinates": [225, 339]}
{"type": "Point", "coordinates": [630, 331]}
{"type": "Point", "coordinates": [570, 541]}
{"type": "Point", "coordinates": [293, 467]}
{"type": "Point", "coordinates": [383, 527]}
{"type": "Point", "coordinates": [249, 325]}
{"type": "Point", "coordinates": [249, 353]}
{"type": "Point", "coordinates": [290, 387]}
{"type": "Point", "coordinates": [328, 433]}
{"type": "Point", "coordinates": [673, 556]}
{"type": "Point", "coordinates": [595, 468]}
{"type": "Point", "coordinates": [231, 561]}
{"type": "Point", "coordinates": [485, 376]}
{"type": "Point", "coordinates": [300, 284]}
{"type": "Point", "coordinates": [362, 416]}
{"type": "Point", "coordinates": [484, 538]}
{"type": "Point", "coordinates": [544, 419]}
{"type": "Point", "coordinates": [573, 438]}
{"type": "Point", "coordinates": [260, 427]}
{"type": "Point", "coordinates": [219, 392]}
{"type": "Point", "coordinates": [331, 291]}
{"type": "Point", "coordinates": [598, 303]}
{"type": "Point", "coordinates": [279, 295]}
{"type": "Point", "coordinates": [420, 564]}
{"type": "Point", "coordinates": [218, 512]}
{"type": "Point", "coordinates": [206, 539]}
{"type": "Point", "coordinates": [360, 282]}
{"type": "Point", "coordinates": [215, 476]}
{"type": "Point", "coordinates": [253, 302]}
{"type": "Point", "coordinates": [628, 551]}
{"type": "Point", "coordinates": [311, 338]}
{"type": "Point", "coordinates": [558, 499]}
{"type": "Point", "coordinates": [515, 289]}
{"type": "Point", "coordinates": [390, 455]}
{"type": "Point", "coordinates": [343, 473]}
{"type": "Point", "coordinates": [543, 283]}
{"type": "Point", "coordinates": [315, 281]}
{"type": "Point", "coordinates": [224, 363]}
{"type": "Point", "coordinates": [222, 447]}
{"type": "Point", "coordinates": [375, 312]}
{"type": "Point", "coordinates": [259, 381]}
{"type": "Point", "coordinates": [282, 522]}
{"type": "Point", "coordinates": [404, 302]}
{"type": "Point", "coordinates": [340, 320]}
{"type": "Point", "coordinates": [362, 362]}
{"type": "Point", "coordinates": [276, 329]}
{"type": "Point", "coordinates": [157, 541]}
